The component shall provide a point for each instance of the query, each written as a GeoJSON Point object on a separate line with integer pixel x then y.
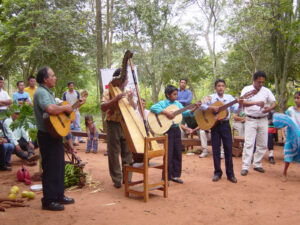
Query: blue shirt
{"type": "Point", "coordinates": [17, 96]}
{"type": "Point", "coordinates": [226, 99]}
{"type": "Point", "coordinates": [160, 106]}
{"type": "Point", "coordinates": [185, 97]}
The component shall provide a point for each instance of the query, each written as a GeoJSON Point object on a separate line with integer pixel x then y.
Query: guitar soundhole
{"type": "Point", "coordinates": [158, 121]}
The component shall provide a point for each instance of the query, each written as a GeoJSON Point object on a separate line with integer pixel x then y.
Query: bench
{"type": "Point", "coordinates": [185, 141]}
{"type": "Point", "coordinates": [84, 134]}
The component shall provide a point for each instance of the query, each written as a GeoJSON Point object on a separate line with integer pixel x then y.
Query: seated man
{"type": "Point", "coordinates": [189, 126]}
{"type": "Point", "coordinates": [5, 151]}
{"type": "Point", "coordinates": [19, 138]}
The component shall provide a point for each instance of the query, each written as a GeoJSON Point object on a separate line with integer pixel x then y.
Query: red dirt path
{"type": "Point", "coordinates": [255, 199]}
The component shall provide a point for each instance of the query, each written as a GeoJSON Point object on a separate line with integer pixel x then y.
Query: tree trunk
{"type": "Point", "coordinates": [99, 51]}
{"type": "Point", "coordinates": [108, 29]}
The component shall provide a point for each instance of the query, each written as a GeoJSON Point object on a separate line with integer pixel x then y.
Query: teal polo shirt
{"type": "Point", "coordinates": [42, 98]}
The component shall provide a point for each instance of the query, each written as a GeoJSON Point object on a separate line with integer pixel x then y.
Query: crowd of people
{"type": "Point", "coordinates": [252, 118]}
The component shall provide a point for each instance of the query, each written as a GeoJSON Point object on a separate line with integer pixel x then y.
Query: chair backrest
{"type": "Point", "coordinates": [149, 153]}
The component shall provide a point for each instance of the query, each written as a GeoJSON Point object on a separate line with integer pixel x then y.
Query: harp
{"type": "Point", "coordinates": [133, 127]}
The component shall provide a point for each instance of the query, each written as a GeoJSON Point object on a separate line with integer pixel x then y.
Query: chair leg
{"type": "Point", "coordinates": [165, 178]}
{"type": "Point", "coordinates": [146, 187]}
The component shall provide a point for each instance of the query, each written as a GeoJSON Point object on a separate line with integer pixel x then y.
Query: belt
{"type": "Point", "coordinates": [257, 118]}
{"type": "Point", "coordinates": [223, 121]}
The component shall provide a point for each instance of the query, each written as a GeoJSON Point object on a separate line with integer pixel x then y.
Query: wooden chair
{"type": "Point", "coordinates": [143, 168]}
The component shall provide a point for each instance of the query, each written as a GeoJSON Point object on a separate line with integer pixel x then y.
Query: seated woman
{"type": "Point", "coordinates": [292, 143]}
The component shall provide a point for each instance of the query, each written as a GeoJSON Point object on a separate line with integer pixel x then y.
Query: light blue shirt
{"type": "Point", "coordinates": [17, 96]}
{"type": "Point", "coordinates": [226, 99]}
{"type": "Point", "coordinates": [160, 106]}
{"type": "Point", "coordinates": [185, 97]}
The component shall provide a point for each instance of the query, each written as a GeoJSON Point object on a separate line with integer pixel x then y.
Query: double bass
{"type": "Point", "coordinates": [133, 127]}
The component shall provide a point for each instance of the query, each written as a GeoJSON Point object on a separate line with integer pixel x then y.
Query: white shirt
{"type": "Point", "coordinates": [71, 97]}
{"type": "Point", "coordinates": [264, 95]}
{"type": "Point", "coordinates": [3, 96]}
{"type": "Point", "coordinates": [14, 136]}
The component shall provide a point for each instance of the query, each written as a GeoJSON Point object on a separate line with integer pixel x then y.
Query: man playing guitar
{"type": "Point", "coordinates": [51, 148]}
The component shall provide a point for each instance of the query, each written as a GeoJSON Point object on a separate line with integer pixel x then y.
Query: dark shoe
{"type": "Point", "coordinates": [33, 158]}
{"type": "Point", "coordinates": [54, 206]}
{"type": "Point", "coordinates": [66, 200]}
{"type": "Point", "coordinates": [75, 144]}
{"type": "Point", "coordinates": [271, 160]}
{"type": "Point", "coordinates": [177, 180]}
{"type": "Point", "coordinates": [87, 151]}
{"type": "Point", "coordinates": [5, 168]}
{"type": "Point", "coordinates": [81, 141]}
{"type": "Point", "coordinates": [94, 152]}
{"type": "Point", "coordinates": [7, 164]}
{"type": "Point", "coordinates": [259, 169]}
{"type": "Point", "coordinates": [117, 184]}
{"type": "Point", "coordinates": [105, 153]}
{"type": "Point", "coordinates": [216, 178]}
{"type": "Point", "coordinates": [232, 179]}
{"type": "Point", "coordinates": [244, 172]}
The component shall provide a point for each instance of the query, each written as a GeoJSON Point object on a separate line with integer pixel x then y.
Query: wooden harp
{"type": "Point", "coordinates": [133, 127]}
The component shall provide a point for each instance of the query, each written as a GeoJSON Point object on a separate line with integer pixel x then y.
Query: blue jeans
{"type": "Point", "coordinates": [91, 143]}
{"type": "Point", "coordinates": [8, 149]}
{"type": "Point", "coordinates": [76, 126]}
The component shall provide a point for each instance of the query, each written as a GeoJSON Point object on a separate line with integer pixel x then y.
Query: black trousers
{"type": "Point", "coordinates": [222, 131]}
{"type": "Point", "coordinates": [53, 165]}
{"type": "Point", "coordinates": [271, 138]}
{"type": "Point", "coordinates": [174, 152]}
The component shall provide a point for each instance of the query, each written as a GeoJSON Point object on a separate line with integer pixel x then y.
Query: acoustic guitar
{"type": "Point", "coordinates": [59, 125]}
{"type": "Point", "coordinates": [208, 119]}
{"type": "Point", "coordinates": [160, 123]}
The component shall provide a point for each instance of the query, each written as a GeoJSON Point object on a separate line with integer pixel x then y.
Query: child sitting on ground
{"type": "Point", "coordinates": [92, 134]}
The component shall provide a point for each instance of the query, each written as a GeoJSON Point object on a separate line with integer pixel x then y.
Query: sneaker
{"type": "Point", "coordinates": [105, 153]}
{"type": "Point", "coordinates": [8, 165]}
{"type": "Point", "coordinates": [81, 141]}
{"type": "Point", "coordinates": [87, 151]}
{"type": "Point", "coordinates": [75, 144]}
{"type": "Point", "coordinates": [94, 152]}
{"type": "Point", "coordinates": [203, 154]}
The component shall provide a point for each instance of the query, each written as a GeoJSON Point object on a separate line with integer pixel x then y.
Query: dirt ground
{"type": "Point", "coordinates": [255, 199]}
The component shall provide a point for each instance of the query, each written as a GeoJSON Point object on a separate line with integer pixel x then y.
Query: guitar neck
{"type": "Point", "coordinates": [227, 105]}
{"type": "Point", "coordinates": [184, 109]}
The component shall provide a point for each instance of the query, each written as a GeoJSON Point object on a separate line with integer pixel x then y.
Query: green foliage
{"type": "Point", "coordinates": [25, 119]}
{"type": "Point", "coordinates": [36, 33]}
